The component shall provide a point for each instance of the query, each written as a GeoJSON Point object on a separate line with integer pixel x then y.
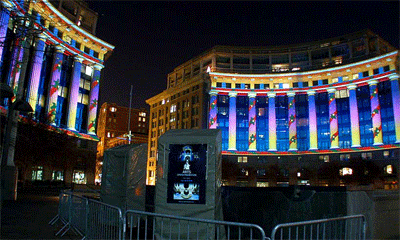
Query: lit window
{"type": "Point", "coordinates": [345, 171]}
{"type": "Point", "coordinates": [345, 78]}
{"type": "Point", "coordinates": [143, 114]}
{"type": "Point", "coordinates": [173, 108]}
{"type": "Point", "coordinates": [386, 154]}
{"type": "Point", "coordinates": [79, 177]}
{"type": "Point", "coordinates": [285, 85]}
{"type": "Point", "coordinates": [389, 169]}
{"type": "Point", "coordinates": [143, 119]}
{"type": "Point", "coordinates": [63, 91]}
{"type": "Point", "coordinates": [355, 76]}
{"type": "Point", "coordinates": [108, 134]}
{"type": "Point", "coordinates": [37, 173]}
{"type": "Point", "coordinates": [335, 80]}
{"type": "Point", "coordinates": [88, 70]}
{"type": "Point", "coordinates": [113, 109]}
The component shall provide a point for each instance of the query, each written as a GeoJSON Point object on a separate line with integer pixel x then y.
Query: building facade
{"type": "Point", "coordinates": [51, 58]}
{"type": "Point", "coordinates": [116, 126]}
{"type": "Point", "coordinates": [320, 113]}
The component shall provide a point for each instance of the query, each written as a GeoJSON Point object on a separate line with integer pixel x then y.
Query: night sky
{"type": "Point", "coordinates": [153, 38]}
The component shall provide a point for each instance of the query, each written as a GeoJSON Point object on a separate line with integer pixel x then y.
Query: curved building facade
{"type": "Point", "coordinates": [52, 59]}
{"type": "Point", "coordinates": [321, 113]}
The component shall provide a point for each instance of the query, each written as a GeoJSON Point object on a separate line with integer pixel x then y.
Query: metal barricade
{"type": "Point", "coordinates": [103, 221]}
{"type": "Point", "coordinates": [89, 218]}
{"type": "Point", "coordinates": [348, 227]}
{"type": "Point", "coordinates": [146, 225]}
{"type": "Point", "coordinates": [63, 213]}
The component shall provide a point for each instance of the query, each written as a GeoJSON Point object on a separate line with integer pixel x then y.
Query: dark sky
{"type": "Point", "coordinates": [152, 38]}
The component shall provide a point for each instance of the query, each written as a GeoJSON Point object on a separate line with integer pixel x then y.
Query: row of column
{"type": "Point", "coordinates": [54, 83]}
{"type": "Point", "coordinates": [333, 117]}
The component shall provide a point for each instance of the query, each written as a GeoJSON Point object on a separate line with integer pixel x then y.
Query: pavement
{"type": "Point", "coordinates": [29, 215]}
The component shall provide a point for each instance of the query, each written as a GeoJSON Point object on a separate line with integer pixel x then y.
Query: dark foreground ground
{"type": "Point", "coordinates": [28, 217]}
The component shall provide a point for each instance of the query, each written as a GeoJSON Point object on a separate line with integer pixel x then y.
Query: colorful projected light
{"type": "Point", "coordinates": [333, 119]}
{"type": "Point", "coordinates": [292, 122]}
{"type": "Point", "coordinates": [213, 110]}
{"type": "Point", "coordinates": [252, 122]}
{"type": "Point", "coordinates": [375, 113]}
{"type": "Point", "coordinates": [272, 122]}
{"type": "Point", "coordinates": [232, 121]}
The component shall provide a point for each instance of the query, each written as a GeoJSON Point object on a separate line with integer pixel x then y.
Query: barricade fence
{"type": "Point", "coordinates": [145, 225]}
{"type": "Point", "coordinates": [93, 219]}
{"type": "Point", "coordinates": [348, 227]}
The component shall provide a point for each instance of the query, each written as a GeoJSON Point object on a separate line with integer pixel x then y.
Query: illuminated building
{"type": "Point", "coordinates": [112, 129]}
{"type": "Point", "coordinates": [320, 113]}
{"type": "Point", "coordinates": [51, 58]}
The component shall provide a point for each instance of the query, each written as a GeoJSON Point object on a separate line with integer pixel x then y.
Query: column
{"type": "Point", "coordinates": [212, 124]}
{"type": "Point", "coordinates": [354, 121]}
{"type": "Point", "coordinates": [53, 85]}
{"type": "Point", "coordinates": [312, 118]}
{"type": "Point", "coordinates": [4, 19]}
{"type": "Point", "coordinates": [376, 113]}
{"type": "Point", "coordinates": [333, 119]}
{"type": "Point", "coordinates": [94, 95]}
{"type": "Point", "coordinates": [36, 71]}
{"type": "Point", "coordinates": [252, 122]}
{"type": "Point", "coordinates": [74, 93]}
{"type": "Point", "coordinates": [272, 122]}
{"type": "Point", "coordinates": [394, 85]}
{"type": "Point", "coordinates": [16, 67]}
{"type": "Point", "coordinates": [292, 122]}
{"type": "Point", "coordinates": [232, 121]}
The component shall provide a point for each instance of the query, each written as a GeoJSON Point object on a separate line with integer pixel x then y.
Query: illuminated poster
{"type": "Point", "coordinates": [186, 174]}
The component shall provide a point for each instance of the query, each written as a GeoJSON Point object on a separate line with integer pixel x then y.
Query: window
{"type": "Point", "coordinates": [237, 85]}
{"type": "Point", "coordinates": [247, 86]}
{"type": "Point", "coordinates": [242, 159]}
{"type": "Point", "coordinates": [365, 74]}
{"type": "Point", "coordinates": [366, 155]}
{"type": "Point", "coordinates": [113, 109]}
{"type": "Point", "coordinates": [325, 81]}
{"type": "Point", "coordinates": [344, 157]}
{"type": "Point", "coordinates": [386, 68]}
{"type": "Point", "coordinates": [389, 169]}
{"type": "Point", "coordinates": [305, 84]}
{"type": "Point", "coordinates": [219, 84]}
{"type": "Point", "coordinates": [376, 71]}
{"type": "Point", "coordinates": [325, 158]}
{"type": "Point", "coordinates": [83, 98]}
{"type": "Point", "coordinates": [58, 176]}
{"type": "Point", "coordinates": [228, 85]}
{"type": "Point", "coordinates": [143, 114]}
{"type": "Point", "coordinates": [285, 85]}
{"type": "Point", "coordinates": [62, 91]}
{"type": "Point", "coordinates": [355, 76]}
{"type": "Point", "coordinates": [295, 84]}
{"type": "Point", "coordinates": [345, 171]}
{"type": "Point", "coordinates": [151, 173]}
{"type": "Point", "coordinates": [37, 173]}
{"type": "Point", "coordinates": [88, 70]}
{"type": "Point", "coordinates": [256, 86]}
{"type": "Point", "coordinates": [79, 177]}
{"type": "Point", "coordinates": [151, 163]}
{"type": "Point", "coordinates": [315, 83]}
{"type": "Point", "coordinates": [85, 84]}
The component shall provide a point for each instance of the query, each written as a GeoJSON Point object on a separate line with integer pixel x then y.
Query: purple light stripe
{"type": "Point", "coordinates": [313, 121]}
{"type": "Point", "coordinates": [376, 114]}
{"type": "Point", "coordinates": [213, 111]}
{"type": "Point", "coordinates": [272, 122]}
{"type": "Point", "coordinates": [333, 121]}
{"type": "Point", "coordinates": [4, 19]}
{"type": "Point", "coordinates": [35, 74]}
{"type": "Point", "coordinates": [232, 121]}
{"type": "Point", "coordinates": [354, 121]}
{"type": "Point", "coordinates": [53, 86]}
{"type": "Point", "coordinates": [73, 102]}
{"type": "Point", "coordinates": [396, 105]}
{"type": "Point", "coordinates": [292, 122]}
{"type": "Point", "coordinates": [94, 95]}
{"type": "Point", "coordinates": [252, 123]}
